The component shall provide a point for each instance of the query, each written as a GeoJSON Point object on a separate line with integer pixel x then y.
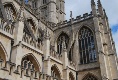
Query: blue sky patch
{"type": "Point", "coordinates": [114, 28]}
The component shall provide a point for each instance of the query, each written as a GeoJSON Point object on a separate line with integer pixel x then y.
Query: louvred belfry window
{"type": "Point", "coordinates": [10, 12]}
{"type": "Point", "coordinates": [86, 46]}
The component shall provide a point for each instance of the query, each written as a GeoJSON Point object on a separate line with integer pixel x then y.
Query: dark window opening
{"type": "Point", "coordinates": [86, 46]}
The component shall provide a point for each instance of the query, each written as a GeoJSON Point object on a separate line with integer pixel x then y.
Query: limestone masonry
{"type": "Point", "coordinates": [37, 43]}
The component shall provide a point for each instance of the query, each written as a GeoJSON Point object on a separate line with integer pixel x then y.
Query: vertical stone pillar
{"type": "Point", "coordinates": [64, 58]}
{"type": "Point", "coordinates": [46, 44]}
{"type": "Point", "coordinates": [66, 74]}
{"type": "Point", "coordinates": [46, 50]}
{"type": "Point", "coordinates": [18, 35]}
{"type": "Point", "coordinates": [65, 62]}
{"type": "Point", "coordinates": [99, 40]}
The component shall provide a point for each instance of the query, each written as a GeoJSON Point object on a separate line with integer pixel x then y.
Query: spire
{"type": "Point", "coordinates": [93, 7]}
{"type": "Point", "coordinates": [100, 8]}
{"type": "Point", "coordinates": [99, 3]}
{"type": "Point", "coordinates": [92, 2]}
{"type": "Point", "coordinates": [105, 14]}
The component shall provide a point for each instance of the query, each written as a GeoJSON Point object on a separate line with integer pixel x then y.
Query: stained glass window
{"type": "Point", "coordinates": [86, 46]}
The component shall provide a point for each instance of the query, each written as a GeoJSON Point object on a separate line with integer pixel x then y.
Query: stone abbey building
{"type": "Point", "coordinates": [37, 43]}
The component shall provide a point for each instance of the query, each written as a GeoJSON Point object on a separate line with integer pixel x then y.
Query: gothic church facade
{"type": "Point", "coordinates": [37, 43]}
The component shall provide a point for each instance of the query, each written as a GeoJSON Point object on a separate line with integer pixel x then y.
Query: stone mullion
{"type": "Point", "coordinates": [10, 13]}
{"type": "Point", "coordinates": [6, 10]}
{"type": "Point", "coordinates": [88, 49]}
{"type": "Point", "coordinates": [82, 53]}
{"type": "Point", "coordinates": [85, 47]}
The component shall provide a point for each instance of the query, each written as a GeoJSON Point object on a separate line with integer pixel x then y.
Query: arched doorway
{"type": "Point", "coordinates": [55, 73]}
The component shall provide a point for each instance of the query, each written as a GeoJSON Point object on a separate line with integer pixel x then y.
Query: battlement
{"type": "Point", "coordinates": [74, 20]}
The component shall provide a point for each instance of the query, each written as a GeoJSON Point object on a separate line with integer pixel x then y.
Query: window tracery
{"type": "Point", "coordinates": [40, 35]}
{"type": "Point", "coordinates": [55, 74]}
{"type": "Point", "coordinates": [32, 26]}
{"type": "Point", "coordinates": [34, 4]}
{"type": "Point", "coordinates": [90, 77]}
{"type": "Point", "coordinates": [86, 46]}
{"type": "Point", "coordinates": [62, 38]}
{"type": "Point", "coordinates": [71, 77]}
{"type": "Point", "coordinates": [29, 63]}
{"type": "Point", "coordinates": [71, 53]}
{"type": "Point", "coordinates": [10, 12]}
{"type": "Point", "coordinates": [44, 1]}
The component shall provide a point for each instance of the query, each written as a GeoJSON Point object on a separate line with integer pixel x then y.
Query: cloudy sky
{"type": "Point", "coordinates": [80, 7]}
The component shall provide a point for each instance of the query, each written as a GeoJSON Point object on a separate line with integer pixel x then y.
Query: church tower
{"type": "Point", "coordinates": [53, 10]}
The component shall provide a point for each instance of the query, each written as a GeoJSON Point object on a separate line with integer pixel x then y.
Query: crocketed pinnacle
{"type": "Point", "coordinates": [92, 2]}
{"type": "Point", "coordinates": [99, 3]}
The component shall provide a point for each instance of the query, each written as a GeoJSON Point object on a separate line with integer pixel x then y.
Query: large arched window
{"type": "Point", "coordinates": [10, 12]}
{"type": "Point", "coordinates": [89, 77]}
{"type": "Point", "coordinates": [62, 38]}
{"type": "Point", "coordinates": [86, 46]}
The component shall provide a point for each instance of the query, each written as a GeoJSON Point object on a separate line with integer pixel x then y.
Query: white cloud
{"type": "Point", "coordinates": [80, 7]}
{"type": "Point", "coordinates": [115, 36]}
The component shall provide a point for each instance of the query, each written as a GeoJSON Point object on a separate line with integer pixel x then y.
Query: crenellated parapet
{"type": "Point", "coordinates": [74, 20]}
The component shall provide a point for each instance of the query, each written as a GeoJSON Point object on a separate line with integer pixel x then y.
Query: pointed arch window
{"type": "Point", "coordinates": [44, 1]}
{"type": "Point", "coordinates": [10, 12]}
{"type": "Point", "coordinates": [55, 73]}
{"type": "Point", "coordinates": [32, 25]}
{"type": "Point", "coordinates": [62, 38]}
{"type": "Point", "coordinates": [86, 46]}
{"type": "Point", "coordinates": [28, 62]}
{"type": "Point", "coordinates": [90, 77]}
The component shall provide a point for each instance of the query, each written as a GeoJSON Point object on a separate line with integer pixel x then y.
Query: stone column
{"type": "Point", "coordinates": [66, 74]}
{"type": "Point", "coordinates": [46, 51]}
{"type": "Point", "coordinates": [18, 35]}
{"type": "Point", "coordinates": [65, 62]}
